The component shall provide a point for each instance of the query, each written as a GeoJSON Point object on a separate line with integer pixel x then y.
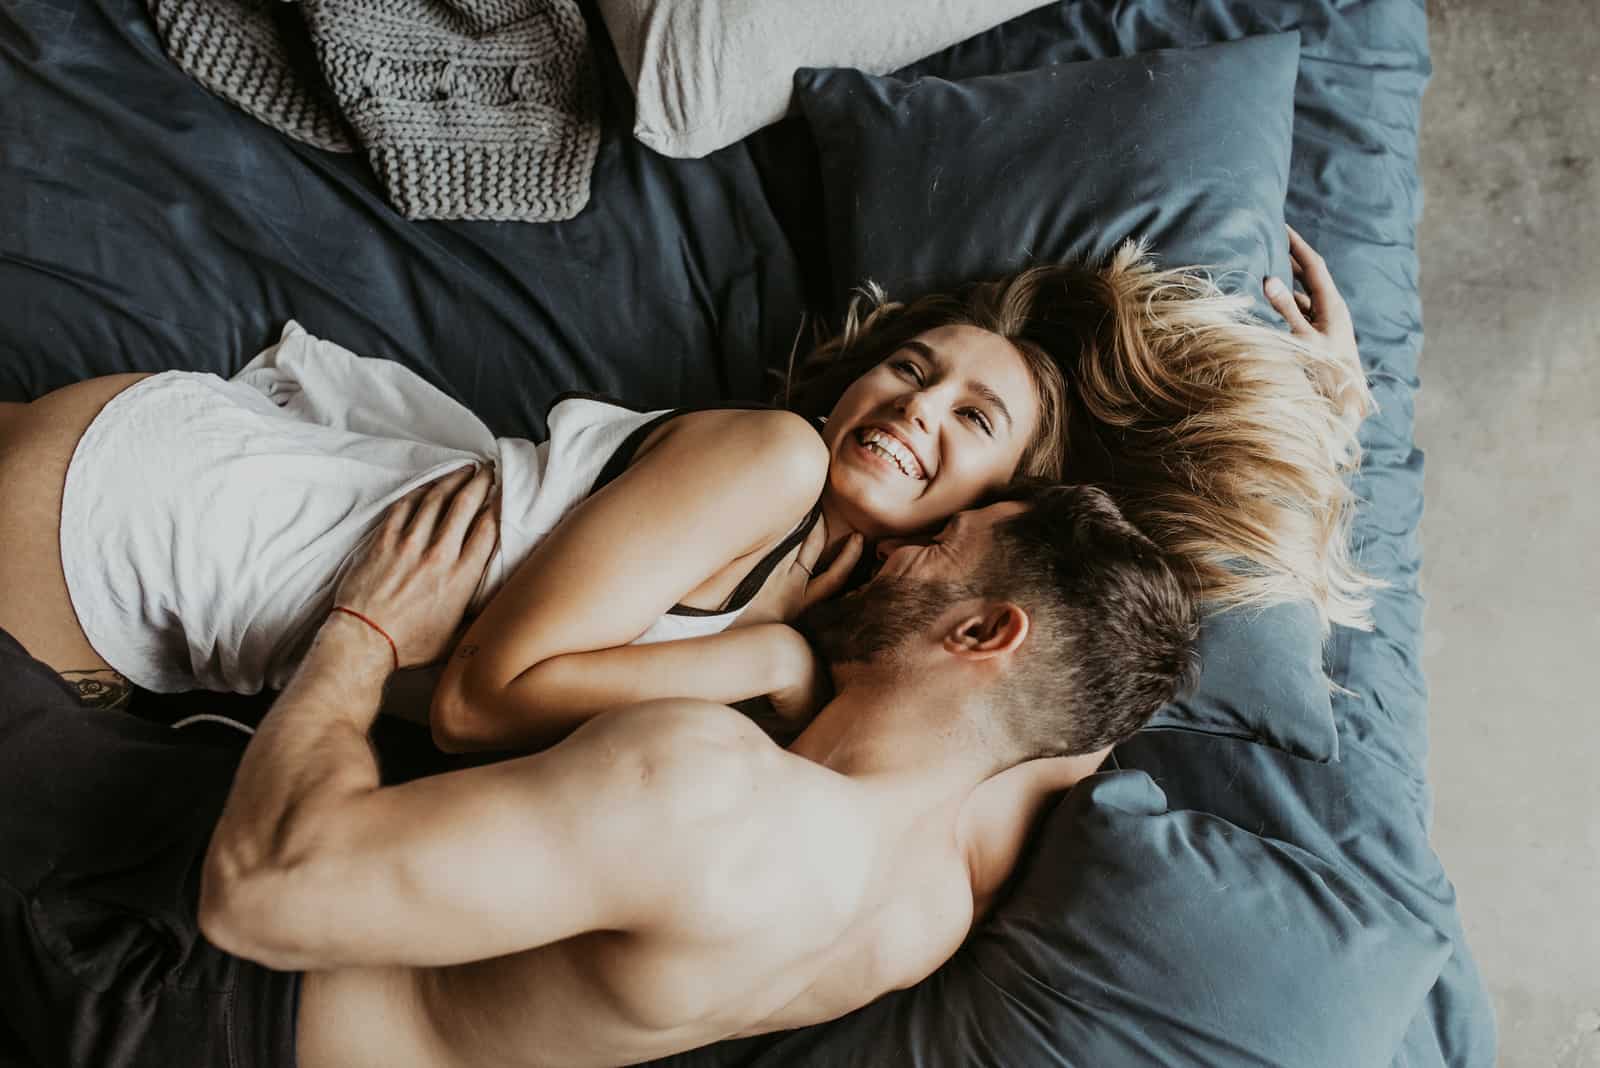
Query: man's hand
{"type": "Point", "coordinates": [421, 567]}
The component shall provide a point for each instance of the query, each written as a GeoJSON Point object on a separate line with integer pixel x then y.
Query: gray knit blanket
{"type": "Point", "coordinates": [466, 109]}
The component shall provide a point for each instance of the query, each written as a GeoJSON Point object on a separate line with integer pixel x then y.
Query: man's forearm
{"type": "Point", "coordinates": [551, 699]}
{"type": "Point", "coordinates": [309, 756]}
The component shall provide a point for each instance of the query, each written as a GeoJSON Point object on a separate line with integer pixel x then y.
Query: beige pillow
{"type": "Point", "coordinates": [709, 72]}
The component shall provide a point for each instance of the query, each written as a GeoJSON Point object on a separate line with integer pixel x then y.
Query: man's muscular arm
{"type": "Point", "coordinates": [315, 865]}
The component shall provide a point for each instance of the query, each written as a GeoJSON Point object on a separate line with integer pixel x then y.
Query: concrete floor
{"type": "Point", "coordinates": [1510, 418]}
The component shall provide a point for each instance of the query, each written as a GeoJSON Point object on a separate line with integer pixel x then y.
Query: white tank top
{"type": "Point", "coordinates": [206, 522]}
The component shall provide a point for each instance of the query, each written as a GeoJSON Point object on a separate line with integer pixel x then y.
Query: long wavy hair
{"type": "Point", "coordinates": [1227, 441]}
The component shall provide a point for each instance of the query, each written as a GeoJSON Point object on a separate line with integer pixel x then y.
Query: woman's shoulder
{"type": "Point", "coordinates": [757, 468]}
{"type": "Point", "coordinates": [770, 442]}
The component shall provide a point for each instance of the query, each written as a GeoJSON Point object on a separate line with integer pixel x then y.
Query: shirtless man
{"type": "Point", "coordinates": [667, 876]}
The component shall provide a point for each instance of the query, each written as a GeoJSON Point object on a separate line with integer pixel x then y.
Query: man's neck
{"type": "Point", "coordinates": [892, 733]}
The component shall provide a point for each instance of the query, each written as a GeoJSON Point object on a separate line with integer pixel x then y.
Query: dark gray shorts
{"type": "Point", "coordinates": [104, 820]}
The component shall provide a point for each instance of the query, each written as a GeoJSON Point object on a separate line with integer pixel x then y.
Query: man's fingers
{"type": "Point", "coordinates": [398, 515]}
{"type": "Point", "coordinates": [1303, 300]}
{"type": "Point", "coordinates": [465, 504]}
{"type": "Point", "coordinates": [426, 513]}
{"type": "Point", "coordinates": [481, 537]}
{"type": "Point", "coordinates": [826, 584]}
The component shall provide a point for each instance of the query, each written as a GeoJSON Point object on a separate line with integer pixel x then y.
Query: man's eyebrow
{"type": "Point", "coordinates": [928, 352]}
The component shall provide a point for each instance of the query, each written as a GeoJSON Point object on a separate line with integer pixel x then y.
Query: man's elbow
{"type": "Point", "coordinates": [246, 910]}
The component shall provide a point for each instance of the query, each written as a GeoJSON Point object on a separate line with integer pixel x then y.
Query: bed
{"type": "Point", "coordinates": [1250, 880]}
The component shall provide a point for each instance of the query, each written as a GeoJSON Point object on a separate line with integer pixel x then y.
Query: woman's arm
{"type": "Point", "coordinates": [551, 650]}
{"type": "Point", "coordinates": [314, 864]}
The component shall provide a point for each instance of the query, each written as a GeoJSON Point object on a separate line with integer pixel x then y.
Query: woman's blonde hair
{"type": "Point", "coordinates": [1227, 441]}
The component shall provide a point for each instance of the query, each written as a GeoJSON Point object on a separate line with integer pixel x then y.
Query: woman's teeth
{"type": "Point", "coordinates": [892, 449]}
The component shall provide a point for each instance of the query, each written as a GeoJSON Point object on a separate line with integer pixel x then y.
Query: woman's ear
{"type": "Point", "coordinates": [995, 630]}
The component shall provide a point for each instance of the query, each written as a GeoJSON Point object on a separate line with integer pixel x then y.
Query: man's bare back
{"type": "Point", "coordinates": [795, 894]}
{"type": "Point", "coordinates": [667, 876]}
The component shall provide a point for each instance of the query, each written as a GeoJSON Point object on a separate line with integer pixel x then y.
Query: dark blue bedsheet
{"type": "Point", "coordinates": [146, 225]}
{"type": "Point", "coordinates": [1354, 192]}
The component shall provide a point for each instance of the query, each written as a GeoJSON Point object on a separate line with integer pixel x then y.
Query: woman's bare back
{"type": "Point", "coordinates": [36, 445]}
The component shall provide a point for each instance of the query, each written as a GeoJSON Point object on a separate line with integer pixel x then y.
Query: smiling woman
{"type": "Point", "coordinates": [664, 554]}
{"type": "Point", "coordinates": [929, 430]}
{"type": "Point", "coordinates": [1228, 441]}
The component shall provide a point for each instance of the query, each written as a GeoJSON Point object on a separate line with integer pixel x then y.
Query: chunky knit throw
{"type": "Point", "coordinates": [466, 109]}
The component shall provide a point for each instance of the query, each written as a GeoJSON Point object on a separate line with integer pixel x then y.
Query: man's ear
{"type": "Point", "coordinates": [995, 630]}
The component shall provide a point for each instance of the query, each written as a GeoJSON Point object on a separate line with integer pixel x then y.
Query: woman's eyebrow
{"type": "Point", "coordinates": [928, 352]}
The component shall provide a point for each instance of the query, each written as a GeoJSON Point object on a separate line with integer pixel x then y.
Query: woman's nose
{"type": "Point", "coordinates": [914, 406]}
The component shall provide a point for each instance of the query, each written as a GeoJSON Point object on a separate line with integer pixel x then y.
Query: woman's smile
{"type": "Point", "coordinates": [936, 424]}
{"type": "Point", "coordinates": [883, 450]}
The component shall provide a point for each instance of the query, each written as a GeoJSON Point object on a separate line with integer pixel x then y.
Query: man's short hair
{"type": "Point", "coordinates": [1112, 629]}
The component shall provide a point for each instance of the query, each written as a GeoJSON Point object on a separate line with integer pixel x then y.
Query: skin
{"type": "Point", "coordinates": [961, 399]}
{"type": "Point", "coordinates": [1317, 314]}
{"type": "Point", "coordinates": [36, 444]}
{"type": "Point", "coordinates": [693, 881]}
{"type": "Point", "coordinates": [719, 488]}
{"type": "Point", "coordinates": [540, 661]}
{"type": "Point", "coordinates": [526, 675]}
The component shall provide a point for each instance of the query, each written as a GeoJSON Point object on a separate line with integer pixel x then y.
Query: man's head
{"type": "Point", "coordinates": [1065, 621]}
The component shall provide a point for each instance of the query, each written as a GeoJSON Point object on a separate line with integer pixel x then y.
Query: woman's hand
{"type": "Point", "coordinates": [805, 687]}
{"type": "Point", "coordinates": [1318, 315]}
{"type": "Point", "coordinates": [796, 583]}
{"type": "Point", "coordinates": [422, 565]}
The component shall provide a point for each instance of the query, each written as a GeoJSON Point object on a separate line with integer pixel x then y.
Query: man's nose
{"type": "Point", "coordinates": [887, 546]}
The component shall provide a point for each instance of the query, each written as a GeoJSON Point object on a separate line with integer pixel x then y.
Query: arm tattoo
{"type": "Point", "coordinates": [99, 687]}
{"type": "Point", "coordinates": [466, 651]}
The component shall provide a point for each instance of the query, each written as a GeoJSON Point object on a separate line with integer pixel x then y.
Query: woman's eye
{"type": "Point", "coordinates": [909, 368]}
{"type": "Point", "coordinates": [979, 420]}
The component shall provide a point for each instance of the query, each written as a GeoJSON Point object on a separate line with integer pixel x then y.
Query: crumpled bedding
{"type": "Point", "coordinates": [146, 225]}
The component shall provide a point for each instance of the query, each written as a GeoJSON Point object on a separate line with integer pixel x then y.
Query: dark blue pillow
{"type": "Point", "coordinates": [1261, 680]}
{"type": "Point", "coordinates": [928, 182]}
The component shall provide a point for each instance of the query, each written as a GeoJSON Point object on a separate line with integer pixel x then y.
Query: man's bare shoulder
{"type": "Point", "coordinates": [766, 836]}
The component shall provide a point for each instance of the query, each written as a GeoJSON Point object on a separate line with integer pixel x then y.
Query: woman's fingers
{"type": "Point", "coordinates": [1312, 270]}
{"type": "Point", "coordinates": [829, 583]}
{"type": "Point", "coordinates": [1284, 303]}
{"type": "Point", "coordinates": [810, 553]}
{"type": "Point", "coordinates": [1299, 247]}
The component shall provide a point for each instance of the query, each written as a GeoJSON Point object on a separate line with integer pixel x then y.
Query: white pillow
{"type": "Point", "coordinates": [709, 72]}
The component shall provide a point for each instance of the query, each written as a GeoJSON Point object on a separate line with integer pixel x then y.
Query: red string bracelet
{"type": "Point", "coordinates": [392, 647]}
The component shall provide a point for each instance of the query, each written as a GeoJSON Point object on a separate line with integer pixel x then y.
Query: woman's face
{"type": "Point", "coordinates": [926, 433]}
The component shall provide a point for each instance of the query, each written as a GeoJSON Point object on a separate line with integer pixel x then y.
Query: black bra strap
{"type": "Point", "coordinates": [751, 584]}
